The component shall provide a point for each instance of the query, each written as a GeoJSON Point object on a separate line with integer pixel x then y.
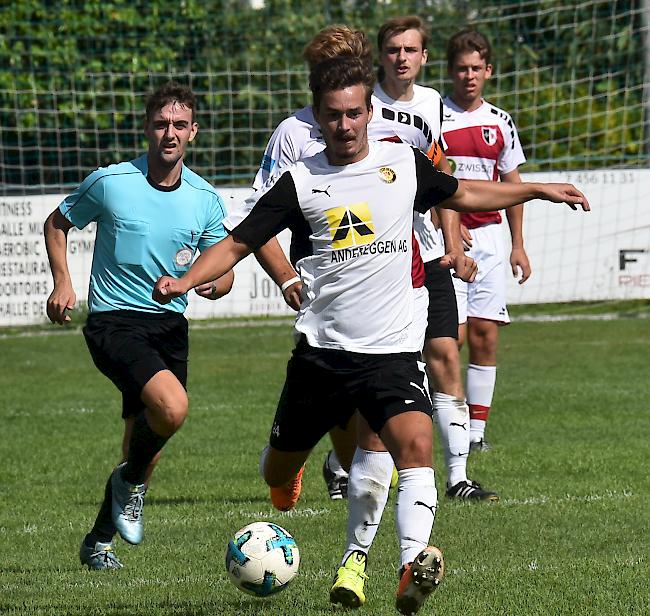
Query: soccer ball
{"type": "Point", "coordinates": [262, 559]}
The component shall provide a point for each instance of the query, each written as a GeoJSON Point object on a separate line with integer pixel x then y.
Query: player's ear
{"type": "Point", "coordinates": [488, 71]}
{"type": "Point", "coordinates": [370, 113]}
{"type": "Point", "coordinates": [193, 131]}
{"type": "Point", "coordinates": [425, 56]}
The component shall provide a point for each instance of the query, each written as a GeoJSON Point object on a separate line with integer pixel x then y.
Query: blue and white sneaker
{"type": "Point", "coordinates": [99, 557]}
{"type": "Point", "coordinates": [128, 505]}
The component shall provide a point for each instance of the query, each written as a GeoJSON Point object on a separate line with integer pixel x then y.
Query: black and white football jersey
{"type": "Point", "coordinates": [357, 221]}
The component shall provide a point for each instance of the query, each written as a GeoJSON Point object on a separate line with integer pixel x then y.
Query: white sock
{"type": "Point", "coordinates": [480, 390]}
{"type": "Point", "coordinates": [368, 487]}
{"type": "Point", "coordinates": [417, 500]}
{"type": "Point", "coordinates": [334, 465]}
{"type": "Point", "coordinates": [452, 417]}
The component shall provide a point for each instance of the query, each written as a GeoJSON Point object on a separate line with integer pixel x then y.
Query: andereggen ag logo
{"type": "Point", "coordinates": [350, 225]}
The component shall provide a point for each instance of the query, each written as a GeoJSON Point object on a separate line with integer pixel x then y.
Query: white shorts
{"type": "Point", "coordinates": [420, 317]}
{"type": "Point", "coordinates": [485, 298]}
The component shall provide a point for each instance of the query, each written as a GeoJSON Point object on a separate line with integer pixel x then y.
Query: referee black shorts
{"type": "Point", "coordinates": [324, 387]}
{"type": "Point", "coordinates": [442, 321]}
{"type": "Point", "coordinates": [130, 347]}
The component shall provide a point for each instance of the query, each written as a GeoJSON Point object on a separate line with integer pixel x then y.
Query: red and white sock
{"type": "Point", "coordinates": [481, 381]}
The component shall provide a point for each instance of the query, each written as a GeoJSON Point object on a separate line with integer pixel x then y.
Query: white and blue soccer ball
{"type": "Point", "coordinates": [262, 559]}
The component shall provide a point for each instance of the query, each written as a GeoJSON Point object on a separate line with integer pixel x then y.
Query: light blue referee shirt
{"type": "Point", "coordinates": [143, 232]}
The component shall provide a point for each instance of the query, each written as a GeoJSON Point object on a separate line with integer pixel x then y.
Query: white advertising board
{"type": "Point", "coordinates": [604, 254]}
{"type": "Point", "coordinates": [599, 255]}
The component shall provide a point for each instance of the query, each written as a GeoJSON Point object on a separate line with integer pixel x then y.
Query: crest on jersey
{"type": "Point", "coordinates": [183, 257]}
{"type": "Point", "coordinates": [489, 134]}
{"type": "Point", "coordinates": [387, 175]}
{"type": "Point", "coordinates": [350, 225]}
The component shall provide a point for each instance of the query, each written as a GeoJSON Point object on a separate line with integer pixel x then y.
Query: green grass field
{"type": "Point", "coordinates": [571, 459]}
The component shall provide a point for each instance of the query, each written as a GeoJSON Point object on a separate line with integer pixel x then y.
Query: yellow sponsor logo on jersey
{"type": "Point", "coordinates": [350, 225]}
{"type": "Point", "coordinates": [387, 174]}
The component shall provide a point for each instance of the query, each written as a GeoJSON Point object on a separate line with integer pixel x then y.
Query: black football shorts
{"type": "Point", "coordinates": [130, 347]}
{"type": "Point", "coordinates": [324, 387]}
{"type": "Point", "coordinates": [442, 321]}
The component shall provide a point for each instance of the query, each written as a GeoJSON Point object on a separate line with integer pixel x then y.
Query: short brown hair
{"type": "Point", "coordinates": [467, 41]}
{"type": "Point", "coordinates": [168, 93]}
{"type": "Point", "coordinates": [337, 40]}
{"type": "Point", "coordinates": [339, 73]}
{"type": "Point", "coordinates": [399, 25]}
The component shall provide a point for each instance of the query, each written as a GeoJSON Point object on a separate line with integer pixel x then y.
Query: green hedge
{"type": "Point", "coordinates": [73, 75]}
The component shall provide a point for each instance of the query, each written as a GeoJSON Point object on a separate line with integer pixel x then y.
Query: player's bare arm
{"type": "Point", "coordinates": [486, 196]}
{"type": "Point", "coordinates": [464, 266]}
{"type": "Point", "coordinates": [275, 263]}
{"type": "Point", "coordinates": [211, 264]}
{"type": "Point", "coordinates": [518, 258]}
{"type": "Point", "coordinates": [63, 297]}
{"type": "Point", "coordinates": [216, 288]}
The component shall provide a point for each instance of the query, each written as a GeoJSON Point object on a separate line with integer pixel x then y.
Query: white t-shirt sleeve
{"type": "Point", "coordinates": [280, 152]}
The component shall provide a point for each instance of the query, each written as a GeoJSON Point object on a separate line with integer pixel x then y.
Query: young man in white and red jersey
{"type": "Point", "coordinates": [482, 144]}
{"type": "Point", "coordinates": [353, 203]}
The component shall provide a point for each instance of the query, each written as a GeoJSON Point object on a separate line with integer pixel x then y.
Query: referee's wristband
{"type": "Point", "coordinates": [287, 283]}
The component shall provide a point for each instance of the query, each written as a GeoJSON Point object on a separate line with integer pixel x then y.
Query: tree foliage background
{"type": "Point", "coordinates": [73, 75]}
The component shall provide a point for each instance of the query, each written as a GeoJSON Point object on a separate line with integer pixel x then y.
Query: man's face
{"type": "Point", "coordinates": [169, 130]}
{"type": "Point", "coordinates": [468, 74]}
{"type": "Point", "coordinates": [402, 56]}
{"type": "Point", "coordinates": [343, 117]}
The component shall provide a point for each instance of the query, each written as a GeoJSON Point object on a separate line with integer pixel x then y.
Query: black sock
{"type": "Point", "coordinates": [103, 530]}
{"type": "Point", "coordinates": [143, 447]}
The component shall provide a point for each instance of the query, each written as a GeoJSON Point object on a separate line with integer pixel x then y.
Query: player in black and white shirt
{"type": "Point", "coordinates": [353, 350]}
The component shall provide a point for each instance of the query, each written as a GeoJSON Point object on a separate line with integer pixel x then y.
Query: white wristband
{"type": "Point", "coordinates": [287, 283]}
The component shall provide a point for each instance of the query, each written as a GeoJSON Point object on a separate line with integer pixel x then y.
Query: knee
{"type": "Point", "coordinates": [416, 451]}
{"type": "Point", "coordinates": [170, 413]}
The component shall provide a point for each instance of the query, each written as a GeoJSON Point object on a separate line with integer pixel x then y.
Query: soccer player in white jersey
{"type": "Point", "coordinates": [298, 137]}
{"type": "Point", "coordinates": [482, 144]}
{"type": "Point", "coordinates": [354, 204]}
{"type": "Point", "coordinates": [406, 112]}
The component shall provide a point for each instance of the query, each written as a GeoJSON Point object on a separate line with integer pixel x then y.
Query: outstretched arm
{"type": "Point", "coordinates": [486, 196]}
{"type": "Point", "coordinates": [63, 297]}
{"type": "Point", "coordinates": [211, 264]}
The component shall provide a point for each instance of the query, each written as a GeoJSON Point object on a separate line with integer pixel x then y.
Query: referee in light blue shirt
{"type": "Point", "coordinates": [152, 215]}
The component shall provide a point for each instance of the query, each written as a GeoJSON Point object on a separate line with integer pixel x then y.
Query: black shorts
{"type": "Point", "coordinates": [324, 387]}
{"type": "Point", "coordinates": [442, 321]}
{"type": "Point", "coordinates": [130, 347]}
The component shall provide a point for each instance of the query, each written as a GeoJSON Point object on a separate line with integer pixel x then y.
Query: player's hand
{"type": "Point", "coordinates": [292, 295]}
{"type": "Point", "coordinates": [565, 193]}
{"type": "Point", "coordinates": [209, 290]}
{"type": "Point", "coordinates": [520, 265]}
{"type": "Point", "coordinates": [464, 267]}
{"type": "Point", "coordinates": [466, 236]}
{"type": "Point", "coordinates": [61, 300]}
{"type": "Point", "coordinates": [168, 288]}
